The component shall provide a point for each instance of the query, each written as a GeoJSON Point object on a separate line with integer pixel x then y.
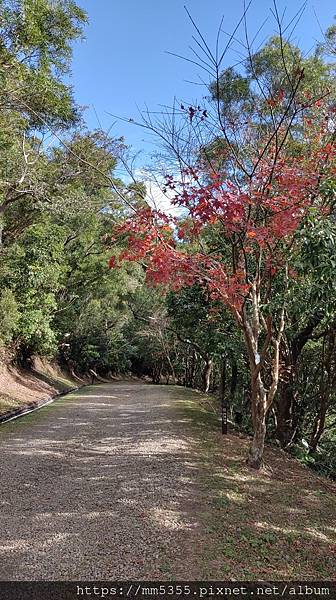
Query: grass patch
{"type": "Point", "coordinates": [275, 524]}
{"type": "Point", "coordinates": [200, 414]}
{"type": "Point", "coordinates": [7, 404]}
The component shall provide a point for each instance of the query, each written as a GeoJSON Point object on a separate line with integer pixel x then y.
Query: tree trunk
{"type": "Point", "coordinates": [259, 412]}
{"type": "Point", "coordinates": [156, 373]}
{"type": "Point", "coordinates": [318, 427]}
{"type": "Point", "coordinates": [256, 451]}
{"type": "Point", "coordinates": [192, 368]}
{"type": "Point", "coordinates": [166, 351]}
{"type": "Point", "coordinates": [207, 374]}
{"type": "Point", "coordinates": [285, 408]}
{"type": "Point", "coordinates": [326, 388]}
{"type": "Point", "coordinates": [261, 397]}
{"type": "Point", "coordinates": [172, 370]}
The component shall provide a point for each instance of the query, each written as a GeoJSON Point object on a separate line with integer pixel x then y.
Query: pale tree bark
{"type": "Point", "coordinates": [262, 397]}
{"type": "Point", "coordinates": [259, 413]}
{"type": "Point", "coordinates": [207, 374]}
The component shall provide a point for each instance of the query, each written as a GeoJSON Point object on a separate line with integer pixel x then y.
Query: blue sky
{"type": "Point", "coordinates": [123, 62]}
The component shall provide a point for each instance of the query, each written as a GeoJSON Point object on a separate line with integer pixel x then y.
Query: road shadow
{"type": "Point", "coordinates": [102, 484]}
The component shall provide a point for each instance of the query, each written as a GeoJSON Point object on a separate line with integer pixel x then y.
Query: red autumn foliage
{"type": "Point", "coordinates": [262, 214]}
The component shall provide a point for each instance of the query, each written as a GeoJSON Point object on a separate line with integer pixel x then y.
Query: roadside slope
{"type": "Point", "coordinates": [24, 388]}
{"type": "Point", "coordinates": [276, 524]}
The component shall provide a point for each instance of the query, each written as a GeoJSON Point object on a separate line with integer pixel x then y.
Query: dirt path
{"type": "Point", "coordinates": [132, 481]}
{"type": "Point", "coordinates": [101, 484]}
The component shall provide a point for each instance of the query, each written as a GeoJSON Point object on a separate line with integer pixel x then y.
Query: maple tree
{"type": "Point", "coordinates": [242, 207]}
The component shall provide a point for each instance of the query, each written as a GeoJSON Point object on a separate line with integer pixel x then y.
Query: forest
{"type": "Point", "coordinates": [232, 292]}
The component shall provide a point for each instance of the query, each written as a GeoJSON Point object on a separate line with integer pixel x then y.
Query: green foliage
{"type": "Point", "coordinates": [278, 62]}
{"type": "Point", "coordinates": [328, 47]}
{"type": "Point", "coordinates": [56, 205]}
{"type": "Point", "coordinates": [323, 461]}
{"type": "Point", "coordinates": [317, 259]}
{"type": "Point", "coordinates": [9, 316]}
{"type": "Point", "coordinates": [33, 271]}
{"type": "Point", "coordinates": [279, 69]}
{"type": "Point", "coordinates": [232, 89]}
{"type": "Point", "coordinates": [35, 51]}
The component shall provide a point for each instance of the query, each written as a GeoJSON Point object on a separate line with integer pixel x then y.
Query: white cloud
{"type": "Point", "coordinates": [156, 197]}
{"type": "Point", "coordinates": [160, 200]}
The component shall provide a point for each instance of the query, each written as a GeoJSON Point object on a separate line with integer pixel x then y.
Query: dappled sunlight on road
{"type": "Point", "coordinates": [171, 519]}
{"type": "Point", "coordinates": [117, 485]}
{"type": "Point", "coordinates": [113, 494]}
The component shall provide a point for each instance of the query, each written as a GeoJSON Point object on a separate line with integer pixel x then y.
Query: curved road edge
{"type": "Point", "coordinates": [35, 405]}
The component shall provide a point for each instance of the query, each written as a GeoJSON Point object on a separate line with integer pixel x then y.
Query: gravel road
{"type": "Point", "coordinates": [102, 484]}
